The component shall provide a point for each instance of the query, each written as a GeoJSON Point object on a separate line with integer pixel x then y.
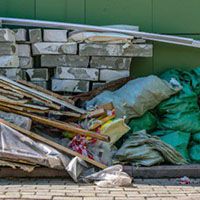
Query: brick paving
{"type": "Point", "coordinates": [65, 189]}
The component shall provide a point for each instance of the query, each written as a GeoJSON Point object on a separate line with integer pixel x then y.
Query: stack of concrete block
{"type": "Point", "coordinates": [9, 60]}
{"type": "Point", "coordinates": [80, 67]}
{"type": "Point", "coordinates": [51, 59]}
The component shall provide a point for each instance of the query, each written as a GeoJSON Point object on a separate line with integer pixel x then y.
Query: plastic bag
{"type": "Point", "coordinates": [194, 153]}
{"type": "Point", "coordinates": [110, 177]}
{"type": "Point", "coordinates": [137, 96]}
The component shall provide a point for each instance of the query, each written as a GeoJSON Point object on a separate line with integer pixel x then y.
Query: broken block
{"type": "Point", "coordinates": [77, 73]}
{"type": "Point", "coordinates": [110, 75]}
{"type": "Point", "coordinates": [54, 48]}
{"type": "Point", "coordinates": [39, 74]}
{"type": "Point", "coordinates": [43, 84]}
{"type": "Point", "coordinates": [9, 61]}
{"type": "Point", "coordinates": [20, 35]}
{"type": "Point", "coordinates": [64, 61]}
{"type": "Point", "coordinates": [110, 62]}
{"type": "Point", "coordinates": [70, 85]}
{"type": "Point", "coordinates": [7, 35]}
{"type": "Point", "coordinates": [125, 50]}
{"type": "Point", "coordinates": [35, 35]}
{"type": "Point", "coordinates": [97, 84]}
{"type": "Point", "coordinates": [26, 62]}
{"type": "Point", "coordinates": [8, 49]}
{"type": "Point", "coordinates": [55, 35]}
{"type": "Point", "coordinates": [12, 73]}
{"type": "Point", "coordinates": [24, 50]}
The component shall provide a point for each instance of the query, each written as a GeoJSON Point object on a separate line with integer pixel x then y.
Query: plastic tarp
{"type": "Point", "coordinates": [177, 139]}
{"type": "Point", "coordinates": [137, 96]}
{"type": "Point", "coordinates": [143, 149]}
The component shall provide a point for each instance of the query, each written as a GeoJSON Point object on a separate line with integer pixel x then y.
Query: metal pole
{"type": "Point", "coordinates": [69, 26]}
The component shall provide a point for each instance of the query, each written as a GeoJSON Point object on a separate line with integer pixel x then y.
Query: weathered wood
{"type": "Point", "coordinates": [65, 113]}
{"type": "Point", "coordinates": [95, 113]}
{"type": "Point", "coordinates": [41, 89]}
{"type": "Point", "coordinates": [42, 95]}
{"type": "Point", "coordinates": [11, 93]}
{"type": "Point", "coordinates": [53, 144]}
{"type": "Point", "coordinates": [59, 125]}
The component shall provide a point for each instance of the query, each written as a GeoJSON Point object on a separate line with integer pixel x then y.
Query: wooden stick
{"type": "Point", "coordinates": [59, 125]}
{"type": "Point", "coordinates": [42, 95]}
{"type": "Point", "coordinates": [53, 144]}
{"type": "Point", "coordinates": [41, 89]}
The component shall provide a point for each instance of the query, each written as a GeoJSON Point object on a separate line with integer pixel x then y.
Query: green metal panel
{"type": "Point", "coordinates": [176, 16]}
{"type": "Point", "coordinates": [18, 8]}
{"type": "Point", "coordinates": [76, 11]}
{"type": "Point", "coordinates": [168, 56]}
{"type": "Point", "coordinates": [54, 10]}
{"type": "Point", "coordinates": [135, 12]}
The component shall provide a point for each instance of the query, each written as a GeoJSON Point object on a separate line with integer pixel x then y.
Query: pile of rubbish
{"type": "Point", "coordinates": [144, 122]}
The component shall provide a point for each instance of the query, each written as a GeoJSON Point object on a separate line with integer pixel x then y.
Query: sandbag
{"type": "Point", "coordinates": [181, 111]}
{"type": "Point", "coordinates": [196, 137]}
{"type": "Point", "coordinates": [147, 122]}
{"type": "Point", "coordinates": [177, 139]}
{"type": "Point", "coordinates": [137, 96]}
{"type": "Point", "coordinates": [194, 153]}
{"type": "Point", "coordinates": [143, 149]}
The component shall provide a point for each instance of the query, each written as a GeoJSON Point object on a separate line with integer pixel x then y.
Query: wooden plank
{"type": "Point", "coordinates": [53, 144]}
{"type": "Point", "coordinates": [12, 87]}
{"type": "Point", "coordinates": [45, 96]}
{"type": "Point", "coordinates": [59, 125]}
{"type": "Point", "coordinates": [41, 89]}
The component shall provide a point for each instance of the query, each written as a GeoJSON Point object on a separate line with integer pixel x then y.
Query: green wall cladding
{"type": "Point", "coordinates": [177, 17]}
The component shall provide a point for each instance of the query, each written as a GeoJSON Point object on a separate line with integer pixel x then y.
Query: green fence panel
{"type": "Point", "coordinates": [135, 12]}
{"type": "Point", "coordinates": [176, 16]}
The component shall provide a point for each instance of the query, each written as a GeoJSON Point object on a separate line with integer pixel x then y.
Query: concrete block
{"type": "Point", "coordinates": [55, 35]}
{"type": "Point", "coordinates": [7, 35]}
{"type": "Point", "coordinates": [39, 74]}
{"type": "Point", "coordinates": [96, 85]}
{"type": "Point", "coordinates": [12, 73]}
{"type": "Point", "coordinates": [110, 75]}
{"type": "Point", "coordinates": [54, 48]}
{"type": "Point", "coordinates": [8, 48]}
{"type": "Point", "coordinates": [26, 62]}
{"type": "Point", "coordinates": [35, 35]}
{"type": "Point", "coordinates": [70, 85]}
{"type": "Point", "coordinates": [110, 62]}
{"type": "Point", "coordinates": [9, 61]}
{"type": "Point", "coordinates": [125, 50]}
{"type": "Point", "coordinates": [43, 84]}
{"type": "Point", "coordinates": [64, 60]}
{"type": "Point", "coordinates": [20, 35]}
{"type": "Point", "coordinates": [24, 50]}
{"type": "Point", "coordinates": [77, 73]}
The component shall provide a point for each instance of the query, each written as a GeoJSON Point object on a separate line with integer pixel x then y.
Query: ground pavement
{"type": "Point", "coordinates": [65, 189]}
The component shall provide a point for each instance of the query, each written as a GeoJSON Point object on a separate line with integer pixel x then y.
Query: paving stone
{"type": "Point", "coordinates": [23, 50]}
{"type": "Point", "coordinates": [35, 35]}
{"type": "Point", "coordinates": [26, 62]}
{"type": "Point", "coordinates": [77, 73]}
{"type": "Point", "coordinates": [39, 74]}
{"type": "Point", "coordinates": [7, 35]}
{"type": "Point", "coordinates": [110, 75]}
{"type": "Point", "coordinates": [67, 198]}
{"type": "Point", "coordinates": [12, 73]}
{"type": "Point", "coordinates": [127, 50]}
{"type": "Point", "coordinates": [55, 35]}
{"type": "Point", "coordinates": [20, 34]}
{"type": "Point", "coordinates": [110, 62]}
{"type": "Point", "coordinates": [54, 48]}
{"type": "Point", "coordinates": [69, 85]}
{"type": "Point", "coordinates": [8, 48]}
{"type": "Point", "coordinates": [9, 61]}
{"type": "Point", "coordinates": [64, 60]}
